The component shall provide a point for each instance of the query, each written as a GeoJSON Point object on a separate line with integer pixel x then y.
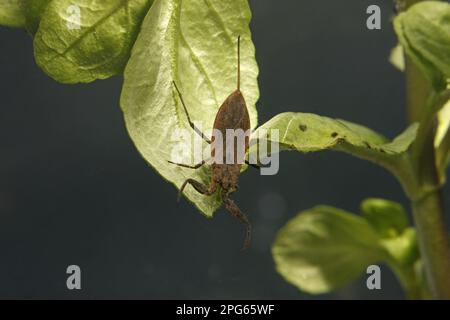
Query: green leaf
{"type": "Point", "coordinates": [33, 12]}
{"type": "Point", "coordinates": [83, 40]}
{"type": "Point", "coordinates": [12, 13]}
{"type": "Point", "coordinates": [387, 217]}
{"type": "Point", "coordinates": [194, 44]}
{"type": "Point", "coordinates": [397, 57]}
{"type": "Point", "coordinates": [424, 32]}
{"type": "Point", "coordinates": [324, 248]}
{"type": "Point", "coordinates": [443, 124]}
{"type": "Point", "coordinates": [307, 132]}
{"type": "Point", "coordinates": [402, 248]}
{"type": "Point", "coordinates": [442, 140]}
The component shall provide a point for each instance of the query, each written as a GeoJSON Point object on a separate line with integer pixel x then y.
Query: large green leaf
{"type": "Point", "coordinates": [193, 43]}
{"type": "Point", "coordinates": [96, 48]}
{"type": "Point", "coordinates": [12, 13]}
{"type": "Point", "coordinates": [424, 32]}
{"type": "Point", "coordinates": [324, 248]}
{"type": "Point", "coordinates": [307, 132]}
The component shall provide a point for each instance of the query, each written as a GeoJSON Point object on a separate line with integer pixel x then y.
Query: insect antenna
{"type": "Point", "coordinates": [239, 64]}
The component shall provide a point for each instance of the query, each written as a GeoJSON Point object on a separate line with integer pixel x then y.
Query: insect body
{"type": "Point", "coordinates": [232, 115]}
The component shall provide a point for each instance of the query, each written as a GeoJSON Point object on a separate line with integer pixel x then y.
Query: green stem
{"type": "Point", "coordinates": [417, 91]}
{"type": "Point", "coordinates": [409, 281]}
{"type": "Point", "coordinates": [433, 243]}
{"type": "Point", "coordinates": [428, 209]}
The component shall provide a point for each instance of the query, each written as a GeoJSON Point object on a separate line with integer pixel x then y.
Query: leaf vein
{"type": "Point", "coordinates": [88, 30]}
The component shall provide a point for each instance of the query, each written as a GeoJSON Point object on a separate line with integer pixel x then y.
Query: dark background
{"type": "Point", "coordinates": [73, 189]}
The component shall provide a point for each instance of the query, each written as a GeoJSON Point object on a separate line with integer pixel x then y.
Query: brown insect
{"type": "Point", "coordinates": [232, 114]}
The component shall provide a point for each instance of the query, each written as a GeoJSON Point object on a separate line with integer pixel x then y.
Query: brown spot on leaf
{"type": "Point", "coordinates": [303, 127]}
{"type": "Point", "coordinates": [334, 134]}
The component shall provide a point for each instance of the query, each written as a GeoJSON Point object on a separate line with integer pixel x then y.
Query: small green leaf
{"type": "Point", "coordinates": [324, 248]}
{"type": "Point", "coordinates": [442, 140]}
{"type": "Point", "coordinates": [12, 13]}
{"type": "Point", "coordinates": [33, 12]}
{"type": "Point", "coordinates": [397, 57]}
{"type": "Point", "coordinates": [402, 248]}
{"type": "Point", "coordinates": [443, 124]}
{"type": "Point", "coordinates": [387, 217]}
{"type": "Point", "coordinates": [195, 44]}
{"type": "Point", "coordinates": [424, 32]}
{"type": "Point", "coordinates": [83, 40]}
{"type": "Point", "coordinates": [307, 132]}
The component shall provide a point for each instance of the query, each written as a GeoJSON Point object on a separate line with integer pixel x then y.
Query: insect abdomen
{"type": "Point", "coordinates": [233, 114]}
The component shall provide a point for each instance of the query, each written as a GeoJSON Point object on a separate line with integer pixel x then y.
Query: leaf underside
{"type": "Point", "coordinates": [194, 44]}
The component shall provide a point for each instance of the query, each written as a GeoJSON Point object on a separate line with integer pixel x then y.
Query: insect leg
{"type": "Point", "coordinates": [234, 210]}
{"type": "Point", "coordinates": [191, 124]}
{"type": "Point", "coordinates": [200, 187]}
{"type": "Point", "coordinates": [198, 165]}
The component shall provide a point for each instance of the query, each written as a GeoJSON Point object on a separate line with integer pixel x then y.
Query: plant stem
{"type": "Point", "coordinates": [433, 243]}
{"type": "Point", "coordinates": [428, 210]}
{"type": "Point", "coordinates": [409, 281]}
